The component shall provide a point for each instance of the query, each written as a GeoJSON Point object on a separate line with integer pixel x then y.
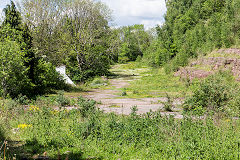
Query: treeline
{"type": "Point", "coordinates": [77, 33]}
{"type": "Point", "coordinates": [192, 28]}
{"type": "Point", "coordinates": [40, 35]}
{"type": "Point", "coordinates": [74, 33]}
{"type": "Point", "coordinates": [21, 71]}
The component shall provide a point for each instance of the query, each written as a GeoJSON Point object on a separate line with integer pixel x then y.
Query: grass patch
{"type": "Point", "coordinates": [114, 106]}
{"type": "Point", "coordinates": [129, 70]}
{"type": "Point", "coordinates": [223, 54]}
{"type": "Point", "coordinates": [157, 83]}
{"type": "Point", "coordinates": [203, 67]}
{"type": "Point", "coordinates": [87, 133]}
{"type": "Point", "coordinates": [98, 82]}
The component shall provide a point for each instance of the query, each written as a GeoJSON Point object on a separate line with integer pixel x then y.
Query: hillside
{"type": "Point", "coordinates": [192, 28]}
{"type": "Point", "coordinates": [222, 59]}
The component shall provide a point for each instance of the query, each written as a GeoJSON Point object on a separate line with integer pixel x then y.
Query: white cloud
{"type": "Point", "coordinates": [3, 4]}
{"type": "Point", "coordinates": [151, 23]}
{"type": "Point", "coordinates": [128, 12]}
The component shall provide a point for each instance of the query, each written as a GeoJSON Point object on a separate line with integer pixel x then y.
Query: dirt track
{"type": "Point", "coordinates": [111, 101]}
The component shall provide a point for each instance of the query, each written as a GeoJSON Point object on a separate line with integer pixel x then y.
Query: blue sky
{"type": "Point", "coordinates": [129, 12]}
{"type": "Point", "coordinates": [3, 3]}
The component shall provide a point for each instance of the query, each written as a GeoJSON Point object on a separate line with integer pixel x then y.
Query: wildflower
{"type": "Point", "coordinates": [54, 112]}
{"type": "Point", "coordinates": [227, 120]}
{"type": "Point", "coordinates": [34, 108]}
{"type": "Point", "coordinates": [22, 126]}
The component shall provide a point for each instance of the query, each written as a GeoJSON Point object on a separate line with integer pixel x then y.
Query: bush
{"type": "Point", "coordinates": [62, 100]}
{"type": "Point", "coordinates": [216, 93]}
{"type": "Point", "coordinates": [86, 107]}
{"type": "Point", "coordinates": [13, 78]}
{"type": "Point", "coordinates": [168, 105]}
{"type": "Point", "coordinates": [98, 82]}
{"type": "Point", "coordinates": [46, 78]}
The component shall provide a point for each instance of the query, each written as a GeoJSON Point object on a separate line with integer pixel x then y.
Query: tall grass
{"type": "Point", "coordinates": [86, 132]}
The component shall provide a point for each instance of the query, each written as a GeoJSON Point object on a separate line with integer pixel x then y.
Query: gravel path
{"type": "Point", "coordinates": [110, 101]}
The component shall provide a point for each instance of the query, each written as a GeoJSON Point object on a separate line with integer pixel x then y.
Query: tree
{"type": "Point", "coordinates": [135, 40]}
{"type": "Point", "coordinates": [12, 17]}
{"type": "Point", "coordinates": [72, 32]}
{"type": "Point", "coordinates": [193, 27]}
{"type": "Point", "coordinates": [13, 78]}
{"type": "Point", "coordinates": [13, 27]}
{"type": "Point", "coordinates": [22, 73]}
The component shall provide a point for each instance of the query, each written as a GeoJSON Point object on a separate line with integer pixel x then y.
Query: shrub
{"type": "Point", "coordinates": [62, 100]}
{"type": "Point", "coordinates": [124, 93]}
{"type": "Point", "coordinates": [13, 78]}
{"type": "Point", "coordinates": [215, 93]}
{"type": "Point", "coordinates": [46, 78]}
{"type": "Point", "coordinates": [168, 105]}
{"type": "Point", "coordinates": [86, 107]}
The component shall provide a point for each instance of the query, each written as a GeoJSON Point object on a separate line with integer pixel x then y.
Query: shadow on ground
{"type": "Point", "coordinates": [114, 76]}
{"type": "Point", "coordinates": [34, 151]}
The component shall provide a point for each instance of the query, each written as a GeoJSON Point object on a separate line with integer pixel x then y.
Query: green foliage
{"type": "Point", "coordinates": [12, 70]}
{"type": "Point", "coordinates": [215, 94]}
{"type": "Point", "coordinates": [124, 93]}
{"type": "Point", "coordinates": [192, 28]}
{"type": "Point", "coordinates": [134, 41]}
{"type": "Point", "coordinates": [98, 82]}
{"type": "Point", "coordinates": [21, 72]}
{"type": "Point", "coordinates": [62, 100]}
{"type": "Point", "coordinates": [86, 107]}
{"type": "Point", "coordinates": [156, 83]}
{"type": "Point", "coordinates": [168, 105]}
{"type": "Point", "coordinates": [46, 78]}
{"type": "Point", "coordinates": [22, 99]}
{"type": "Point", "coordinates": [109, 136]}
{"type": "Point", "coordinates": [82, 40]}
{"type": "Point", "coordinates": [12, 16]}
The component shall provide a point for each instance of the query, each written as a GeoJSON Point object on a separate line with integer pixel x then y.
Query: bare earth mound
{"type": "Point", "coordinates": [223, 59]}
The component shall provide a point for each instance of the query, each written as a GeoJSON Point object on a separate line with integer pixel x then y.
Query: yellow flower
{"type": "Point", "coordinates": [22, 126]}
{"type": "Point", "coordinates": [34, 108]}
{"type": "Point", "coordinates": [54, 112]}
{"type": "Point", "coordinates": [227, 120]}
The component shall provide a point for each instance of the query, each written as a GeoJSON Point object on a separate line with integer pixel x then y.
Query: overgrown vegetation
{"type": "Point", "coordinates": [134, 41]}
{"type": "Point", "coordinates": [86, 132]}
{"type": "Point", "coordinates": [194, 28]}
{"type": "Point", "coordinates": [218, 93]}
{"type": "Point", "coordinates": [156, 83]}
{"type": "Point", "coordinates": [76, 33]}
{"type": "Point", "coordinates": [22, 72]}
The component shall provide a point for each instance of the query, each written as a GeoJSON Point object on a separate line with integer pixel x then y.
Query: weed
{"type": "Point", "coordinates": [155, 83]}
{"type": "Point", "coordinates": [86, 107]}
{"type": "Point", "coordinates": [134, 111]}
{"type": "Point", "coordinates": [22, 99]}
{"type": "Point", "coordinates": [98, 82]}
{"type": "Point", "coordinates": [114, 106]}
{"type": "Point", "coordinates": [62, 100]}
{"type": "Point", "coordinates": [168, 105]}
{"type": "Point", "coordinates": [135, 92]}
{"type": "Point", "coordinates": [217, 93]}
{"type": "Point", "coordinates": [109, 136]}
{"type": "Point", "coordinates": [124, 92]}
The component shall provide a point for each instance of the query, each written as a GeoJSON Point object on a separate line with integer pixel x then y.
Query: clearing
{"type": "Point", "coordinates": [126, 89]}
{"type": "Point", "coordinates": [147, 88]}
